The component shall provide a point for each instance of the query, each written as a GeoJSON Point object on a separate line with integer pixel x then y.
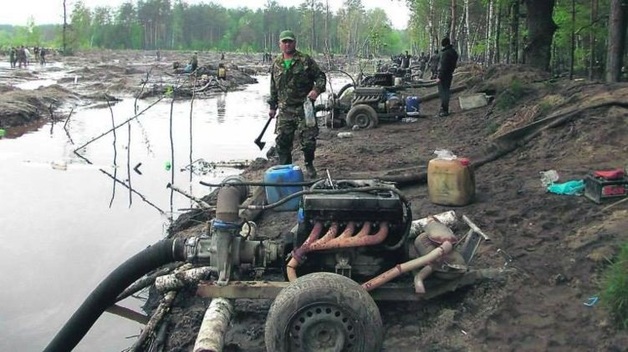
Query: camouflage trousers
{"type": "Point", "coordinates": [289, 123]}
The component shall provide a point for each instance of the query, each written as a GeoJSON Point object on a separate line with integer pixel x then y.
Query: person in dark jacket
{"type": "Point", "coordinates": [294, 76]}
{"type": "Point", "coordinates": [446, 66]}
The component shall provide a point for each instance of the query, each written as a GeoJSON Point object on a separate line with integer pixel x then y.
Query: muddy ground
{"type": "Point", "coordinates": [559, 244]}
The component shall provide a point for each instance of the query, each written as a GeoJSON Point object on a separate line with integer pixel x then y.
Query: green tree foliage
{"type": "Point", "coordinates": [486, 31]}
{"type": "Point", "coordinates": [177, 24]}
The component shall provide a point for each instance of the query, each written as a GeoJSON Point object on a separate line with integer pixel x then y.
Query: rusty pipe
{"type": "Point", "coordinates": [347, 233]}
{"type": "Point", "coordinates": [419, 277]}
{"type": "Point", "coordinates": [331, 234]}
{"type": "Point", "coordinates": [410, 265]}
{"type": "Point", "coordinates": [297, 254]}
{"type": "Point", "coordinates": [349, 230]}
{"type": "Point", "coordinates": [360, 240]}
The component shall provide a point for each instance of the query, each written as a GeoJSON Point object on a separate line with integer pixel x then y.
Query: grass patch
{"type": "Point", "coordinates": [510, 97]}
{"type": "Point", "coordinates": [615, 288]}
{"type": "Point", "coordinates": [492, 127]}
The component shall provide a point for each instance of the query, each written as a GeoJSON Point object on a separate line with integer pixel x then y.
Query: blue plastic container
{"type": "Point", "coordinates": [283, 174]}
{"type": "Point", "coordinates": [413, 106]}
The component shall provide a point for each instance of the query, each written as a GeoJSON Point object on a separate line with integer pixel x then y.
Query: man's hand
{"type": "Point", "coordinates": [272, 113]}
{"type": "Point", "coordinates": [312, 95]}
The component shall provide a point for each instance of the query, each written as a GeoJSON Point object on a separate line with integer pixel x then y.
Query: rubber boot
{"type": "Point", "coordinates": [308, 156]}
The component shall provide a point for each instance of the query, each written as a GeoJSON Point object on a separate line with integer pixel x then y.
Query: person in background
{"type": "Point", "coordinates": [194, 62]}
{"type": "Point", "coordinates": [295, 76]}
{"type": "Point", "coordinates": [405, 60]}
{"type": "Point", "coordinates": [12, 57]}
{"type": "Point", "coordinates": [433, 64]}
{"type": "Point", "coordinates": [28, 57]}
{"type": "Point", "coordinates": [423, 59]}
{"type": "Point", "coordinates": [21, 56]}
{"type": "Point", "coordinates": [446, 66]}
{"type": "Point", "coordinates": [42, 56]}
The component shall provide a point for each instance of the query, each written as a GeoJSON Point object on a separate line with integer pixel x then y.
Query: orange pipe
{"type": "Point", "coordinates": [349, 230]}
{"type": "Point", "coordinates": [410, 265]}
{"type": "Point", "coordinates": [331, 234]}
{"type": "Point", "coordinates": [360, 240]}
{"type": "Point", "coordinates": [298, 253]}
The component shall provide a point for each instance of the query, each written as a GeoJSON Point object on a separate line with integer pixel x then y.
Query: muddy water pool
{"type": "Point", "coordinates": [65, 227]}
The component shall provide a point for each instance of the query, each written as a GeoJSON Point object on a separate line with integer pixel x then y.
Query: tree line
{"type": "Point", "coordinates": [583, 37]}
{"type": "Point", "coordinates": [578, 37]}
{"type": "Point", "coordinates": [177, 25]}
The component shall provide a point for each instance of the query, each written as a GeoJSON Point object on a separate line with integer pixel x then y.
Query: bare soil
{"type": "Point", "coordinates": [559, 244]}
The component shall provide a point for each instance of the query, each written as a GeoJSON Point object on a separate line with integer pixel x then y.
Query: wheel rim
{"type": "Point", "coordinates": [322, 328]}
{"type": "Point", "coordinates": [362, 120]}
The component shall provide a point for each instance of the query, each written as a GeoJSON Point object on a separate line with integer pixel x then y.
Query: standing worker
{"type": "Point", "coordinates": [433, 64]}
{"type": "Point", "coordinates": [194, 62]}
{"type": "Point", "coordinates": [446, 66]}
{"type": "Point", "coordinates": [295, 76]}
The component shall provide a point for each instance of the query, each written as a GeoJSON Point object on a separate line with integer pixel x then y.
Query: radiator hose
{"type": "Point", "coordinates": [104, 296]}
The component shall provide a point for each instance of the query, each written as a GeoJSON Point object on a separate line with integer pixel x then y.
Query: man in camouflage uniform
{"type": "Point", "coordinates": [294, 76]}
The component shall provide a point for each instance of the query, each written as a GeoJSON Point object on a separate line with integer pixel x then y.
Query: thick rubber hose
{"type": "Point", "coordinates": [161, 253]}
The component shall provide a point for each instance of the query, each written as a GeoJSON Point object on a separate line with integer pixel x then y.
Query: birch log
{"type": "Point", "coordinates": [215, 323]}
{"type": "Point", "coordinates": [178, 280]}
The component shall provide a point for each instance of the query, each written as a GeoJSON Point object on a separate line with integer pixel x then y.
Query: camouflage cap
{"type": "Point", "coordinates": [287, 34]}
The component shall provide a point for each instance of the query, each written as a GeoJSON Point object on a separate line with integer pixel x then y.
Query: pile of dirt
{"type": "Point", "coordinates": [19, 107]}
{"type": "Point", "coordinates": [110, 75]}
{"type": "Point", "coordinates": [557, 245]}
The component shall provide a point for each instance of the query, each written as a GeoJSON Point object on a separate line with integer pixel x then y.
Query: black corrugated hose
{"type": "Point", "coordinates": [104, 296]}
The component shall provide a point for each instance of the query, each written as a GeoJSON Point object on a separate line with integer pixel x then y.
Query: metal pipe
{"type": "Point", "coordinates": [410, 265]}
{"type": "Point", "coordinates": [228, 203]}
{"type": "Point", "coordinates": [360, 240]}
{"type": "Point", "coordinates": [349, 230]}
{"type": "Point", "coordinates": [297, 254]}
{"type": "Point", "coordinates": [419, 277]}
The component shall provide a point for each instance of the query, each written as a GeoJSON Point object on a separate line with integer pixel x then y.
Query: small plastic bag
{"type": "Point", "coordinates": [570, 188]}
{"type": "Point", "coordinates": [445, 154]}
{"type": "Point", "coordinates": [310, 115]}
{"type": "Point", "coordinates": [548, 177]}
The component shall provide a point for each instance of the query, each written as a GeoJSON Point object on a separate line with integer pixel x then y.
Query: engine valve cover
{"type": "Point", "coordinates": [353, 206]}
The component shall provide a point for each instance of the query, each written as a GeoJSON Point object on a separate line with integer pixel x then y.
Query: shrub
{"type": "Point", "coordinates": [615, 288]}
{"type": "Point", "coordinates": [511, 96]}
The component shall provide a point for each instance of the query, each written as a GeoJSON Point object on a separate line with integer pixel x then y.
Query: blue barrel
{"type": "Point", "coordinates": [413, 106]}
{"type": "Point", "coordinates": [283, 174]}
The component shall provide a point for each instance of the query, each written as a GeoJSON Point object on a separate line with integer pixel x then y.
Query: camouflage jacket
{"type": "Point", "coordinates": [288, 88]}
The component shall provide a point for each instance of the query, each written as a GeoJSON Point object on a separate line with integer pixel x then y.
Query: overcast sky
{"type": "Point", "coordinates": [51, 11]}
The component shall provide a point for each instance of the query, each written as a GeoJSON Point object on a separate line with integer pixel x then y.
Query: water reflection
{"type": "Point", "coordinates": [221, 107]}
{"type": "Point", "coordinates": [80, 232]}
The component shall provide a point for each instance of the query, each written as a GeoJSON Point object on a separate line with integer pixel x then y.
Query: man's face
{"type": "Point", "coordinates": [288, 46]}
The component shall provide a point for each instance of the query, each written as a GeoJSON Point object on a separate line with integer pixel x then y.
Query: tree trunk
{"type": "Point", "coordinates": [592, 41]}
{"type": "Point", "coordinates": [65, 27]}
{"type": "Point", "coordinates": [541, 28]}
{"type": "Point", "coordinates": [513, 56]}
{"type": "Point", "coordinates": [616, 40]}
{"type": "Point", "coordinates": [498, 32]}
{"type": "Point", "coordinates": [572, 54]}
{"type": "Point", "coordinates": [452, 24]}
{"type": "Point", "coordinates": [467, 29]}
{"type": "Point", "coordinates": [489, 34]}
